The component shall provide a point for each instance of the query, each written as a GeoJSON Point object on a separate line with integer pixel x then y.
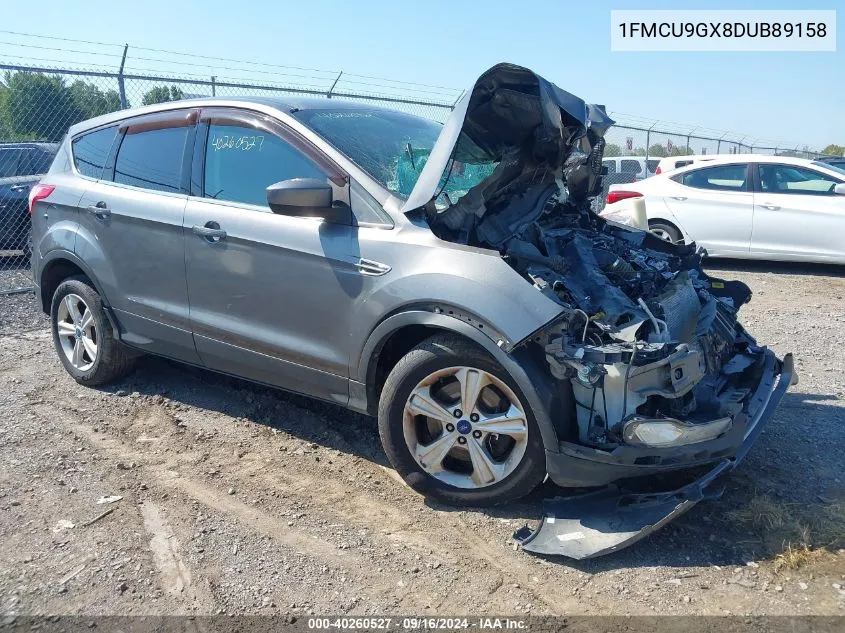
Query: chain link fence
{"type": "Point", "coordinates": [38, 104]}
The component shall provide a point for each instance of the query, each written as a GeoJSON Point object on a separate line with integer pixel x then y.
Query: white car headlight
{"type": "Point", "coordinates": [671, 432]}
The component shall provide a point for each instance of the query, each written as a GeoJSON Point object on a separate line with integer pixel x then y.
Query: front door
{"type": "Point", "coordinates": [270, 295]}
{"type": "Point", "coordinates": [797, 215]}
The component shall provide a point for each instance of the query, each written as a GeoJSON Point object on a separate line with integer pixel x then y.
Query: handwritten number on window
{"type": "Point", "coordinates": [243, 143]}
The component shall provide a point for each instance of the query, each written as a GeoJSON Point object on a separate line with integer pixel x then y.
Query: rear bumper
{"type": "Point", "coordinates": [574, 466]}
{"type": "Point", "coordinates": [602, 522]}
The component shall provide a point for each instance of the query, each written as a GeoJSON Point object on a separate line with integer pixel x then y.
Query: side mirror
{"type": "Point", "coordinates": [308, 198]}
{"type": "Point", "coordinates": [839, 189]}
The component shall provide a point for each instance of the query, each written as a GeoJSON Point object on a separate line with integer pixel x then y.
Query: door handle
{"type": "Point", "coordinates": [372, 268]}
{"type": "Point", "coordinates": [100, 210]}
{"type": "Point", "coordinates": [770, 207]}
{"type": "Point", "coordinates": [19, 187]}
{"type": "Point", "coordinates": [680, 198]}
{"type": "Point", "coordinates": [211, 232]}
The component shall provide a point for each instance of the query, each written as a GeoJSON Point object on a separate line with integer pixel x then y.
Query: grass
{"type": "Point", "coordinates": [792, 534]}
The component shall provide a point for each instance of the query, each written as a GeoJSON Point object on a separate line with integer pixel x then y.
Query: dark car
{"type": "Point", "coordinates": [21, 166]}
{"type": "Point", "coordinates": [450, 280]}
{"type": "Point", "coordinates": [835, 161]}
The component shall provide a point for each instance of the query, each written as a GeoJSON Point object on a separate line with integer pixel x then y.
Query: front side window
{"type": "Point", "coordinates": [796, 180]}
{"type": "Point", "coordinates": [241, 162]}
{"type": "Point", "coordinates": [631, 167]}
{"type": "Point", "coordinates": [152, 159]}
{"type": "Point", "coordinates": [718, 178]}
{"type": "Point", "coordinates": [91, 150]}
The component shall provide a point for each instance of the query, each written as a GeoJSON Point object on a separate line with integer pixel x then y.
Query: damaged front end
{"type": "Point", "coordinates": [647, 346]}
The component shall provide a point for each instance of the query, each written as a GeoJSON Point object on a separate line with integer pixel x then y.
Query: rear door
{"type": "Point", "coordinates": [271, 295]}
{"type": "Point", "coordinates": [714, 206]}
{"type": "Point", "coordinates": [131, 231]}
{"type": "Point", "coordinates": [796, 213]}
{"type": "Point", "coordinates": [15, 180]}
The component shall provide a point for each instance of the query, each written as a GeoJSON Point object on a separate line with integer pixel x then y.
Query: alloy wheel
{"type": "Point", "coordinates": [663, 235]}
{"type": "Point", "coordinates": [77, 332]}
{"type": "Point", "coordinates": [465, 427]}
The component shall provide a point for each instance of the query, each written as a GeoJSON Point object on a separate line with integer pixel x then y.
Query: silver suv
{"type": "Point", "coordinates": [449, 279]}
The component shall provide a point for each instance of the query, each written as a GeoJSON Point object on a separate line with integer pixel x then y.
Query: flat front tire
{"type": "Point", "coordinates": [456, 427]}
{"type": "Point", "coordinates": [83, 336]}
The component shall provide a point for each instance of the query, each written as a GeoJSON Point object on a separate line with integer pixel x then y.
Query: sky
{"type": "Point", "coordinates": [788, 97]}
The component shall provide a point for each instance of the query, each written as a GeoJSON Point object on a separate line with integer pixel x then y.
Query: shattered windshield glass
{"type": "Point", "coordinates": [392, 147]}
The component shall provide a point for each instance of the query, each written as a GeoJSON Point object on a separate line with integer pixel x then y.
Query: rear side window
{"type": "Point", "coordinates": [9, 161]}
{"type": "Point", "coordinates": [241, 162]}
{"type": "Point", "coordinates": [91, 150]}
{"type": "Point", "coordinates": [652, 165]}
{"type": "Point", "coordinates": [719, 178]}
{"type": "Point", "coordinates": [152, 159]}
{"type": "Point", "coordinates": [631, 167]}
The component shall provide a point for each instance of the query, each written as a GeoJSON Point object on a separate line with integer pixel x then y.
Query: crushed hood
{"type": "Point", "coordinates": [511, 107]}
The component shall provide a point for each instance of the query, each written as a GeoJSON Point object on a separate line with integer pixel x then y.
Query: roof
{"type": "Point", "coordinates": [282, 104]}
{"type": "Point", "coordinates": [43, 145]}
{"type": "Point", "coordinates": [727, 159]}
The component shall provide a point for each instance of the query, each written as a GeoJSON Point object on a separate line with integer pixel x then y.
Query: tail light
{"type": "Point", "coordinates": [657, 171]}
{"type": "Point", "coordinates": [39, 192]}
{"type": "Point", "coordinates": [616, 196]}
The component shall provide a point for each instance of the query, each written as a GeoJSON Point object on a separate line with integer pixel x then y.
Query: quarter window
{"type": "Point", "coordinates": [719, 178]}
{"type": "Point", "coordinates": [797, 180]}
{"type": "Point", "coordinates": [91, 150]}
{"type": "Point", "coordinates": [152, 159]}
{"type": "Point", "coordinates": [241, 162]}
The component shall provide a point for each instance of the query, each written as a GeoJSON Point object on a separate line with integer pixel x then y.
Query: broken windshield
{"type": "Point", "coordinates": [392, 147]}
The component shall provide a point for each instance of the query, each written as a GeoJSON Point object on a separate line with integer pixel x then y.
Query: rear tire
{"type": "Point", "coordinates": [665, 231]}
{"type": "Point", "coordinates": [83, 336]}
{"type": "Point", "coordinates": [487, 460]}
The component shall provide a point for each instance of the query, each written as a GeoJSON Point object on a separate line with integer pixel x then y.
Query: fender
{"type": "Point", "coordinates": [524, 376]}
{"type": "Point", "coordinates": [60, 253]}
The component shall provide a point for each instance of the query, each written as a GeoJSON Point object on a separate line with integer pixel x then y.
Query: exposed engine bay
{"type": "Point", "coordinates": [649, 342]}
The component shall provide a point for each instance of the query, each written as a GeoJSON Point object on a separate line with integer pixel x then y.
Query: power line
{"type": "Point", "coordinates": [228, 59]}
{"type": "Point", "coordinates": [63, 39]}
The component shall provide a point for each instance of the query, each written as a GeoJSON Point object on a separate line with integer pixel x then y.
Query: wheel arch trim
{"type": "Point", "coordinates": [55, 256]}
{"type": "Point", "coordinates": [378, 337]}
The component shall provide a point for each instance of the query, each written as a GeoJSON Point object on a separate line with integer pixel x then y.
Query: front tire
{"type": "Point", "coordinates": [83, 336]}
{"type": "Point", "coordinates": [456, 427]}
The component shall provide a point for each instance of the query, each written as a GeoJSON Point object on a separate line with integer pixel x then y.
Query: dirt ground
{"type": "Point", "coordinates": [239, 499]}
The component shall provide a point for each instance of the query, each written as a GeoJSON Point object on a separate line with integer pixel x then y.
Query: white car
{"type": "Point", "coordinates": [671, 163]}
{"type": "Point", "coordinates": [635, 166]}
{"type": "Point", "coordinates": [745, 206]}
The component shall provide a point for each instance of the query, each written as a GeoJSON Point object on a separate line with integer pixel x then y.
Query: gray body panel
{"type": "Point", "coordinates": [136, 250]}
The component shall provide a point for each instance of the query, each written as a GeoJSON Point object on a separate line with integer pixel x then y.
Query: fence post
{"type": "Point", "coordinates": [329, 93]}
{"type": "Point", "coordinates": [120, 84]}
{"type": "Point", "coordinates": [648, 141]}
{"type": "Point", "coordinates": [213, 86]}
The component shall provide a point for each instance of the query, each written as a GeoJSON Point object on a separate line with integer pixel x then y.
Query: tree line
{"type": "Point", "coordinates": [35, 106]}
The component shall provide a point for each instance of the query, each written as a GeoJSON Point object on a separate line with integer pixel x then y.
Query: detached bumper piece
{"type": "Point", "coordinates": [603, 522]}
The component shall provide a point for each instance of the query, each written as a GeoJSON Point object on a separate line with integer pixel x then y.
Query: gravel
{"type": "Point", "coordinates": [239, 499]}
